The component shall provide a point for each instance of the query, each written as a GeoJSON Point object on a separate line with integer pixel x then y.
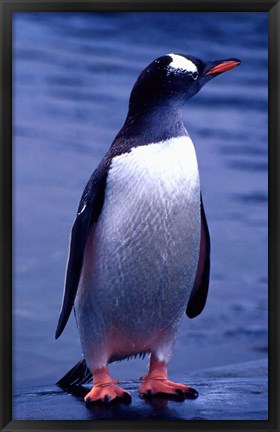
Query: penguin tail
{"type": "Point", "coordinates": [77, 376]}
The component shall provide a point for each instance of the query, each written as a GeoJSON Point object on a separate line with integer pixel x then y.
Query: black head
{"type": "Point", "coordinates": [173, 79]}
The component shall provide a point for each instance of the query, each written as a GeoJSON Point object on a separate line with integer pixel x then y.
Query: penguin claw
{"type": "Point", "coordinates": [106, 399]}
{"type": "Point", "coordinates": [166, 388]}
{"type": "Point", "coordinates": [107, 394]}
{"type": "Point", "coordinates": [179, 392]}
{"type": "Point", "coordinates": [191, 393]}
{"type": "Point", "coordinates": [126, 397]}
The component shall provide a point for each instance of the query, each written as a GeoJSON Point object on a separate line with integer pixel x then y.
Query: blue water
{"type": "Point", "coordinates": [72, 75]}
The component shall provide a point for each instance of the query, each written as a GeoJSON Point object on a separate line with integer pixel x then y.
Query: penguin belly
{"type": "Point", "coordinates": [141, 255]}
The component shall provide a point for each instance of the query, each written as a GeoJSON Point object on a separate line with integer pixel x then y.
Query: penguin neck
{"type": "Point", "coordinates": [153, 124]}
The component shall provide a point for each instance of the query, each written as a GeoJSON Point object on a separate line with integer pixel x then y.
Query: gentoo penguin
{"type": "Point", "coordinates": [139, 252]}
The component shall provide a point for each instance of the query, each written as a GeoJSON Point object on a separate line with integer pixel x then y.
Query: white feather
{"type": "Point", "coordinates": [181, 64]}
{"type": "Point", "coordinates": [142, 255]}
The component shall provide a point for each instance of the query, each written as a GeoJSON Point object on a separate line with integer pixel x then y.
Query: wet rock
{"type": "Point", "coordinates": [236, 392]}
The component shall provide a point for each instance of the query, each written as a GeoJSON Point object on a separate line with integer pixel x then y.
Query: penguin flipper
{"type": "Point", "coordinates": [88, 212]}
{"type": "Point", "coordinates": [199, 292]}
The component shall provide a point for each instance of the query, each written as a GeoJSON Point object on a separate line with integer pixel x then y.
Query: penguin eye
{"type": "Point", "coordinates": [195, 75]}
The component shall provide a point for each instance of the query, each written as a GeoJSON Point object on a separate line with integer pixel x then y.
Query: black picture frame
{"type": "Point", "coordinates": [7, 7]}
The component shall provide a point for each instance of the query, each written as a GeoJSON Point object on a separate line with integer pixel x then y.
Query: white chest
{"type": "Point", "coordinates": [149, 228]}
{"type": "Point", "coordinates": [143, 251]}
{"type": "Point", "coordinates": [157, 173]}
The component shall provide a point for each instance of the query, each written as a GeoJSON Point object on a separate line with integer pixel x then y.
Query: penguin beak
{"type": "Point", "coordinates": [221, 66]}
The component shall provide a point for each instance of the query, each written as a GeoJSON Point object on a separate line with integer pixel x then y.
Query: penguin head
{"type": "Point", "coordinates": [175, 78]}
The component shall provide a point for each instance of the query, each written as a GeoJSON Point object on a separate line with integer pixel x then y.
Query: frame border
{"type": "Point", "coordinates": [7, 7]}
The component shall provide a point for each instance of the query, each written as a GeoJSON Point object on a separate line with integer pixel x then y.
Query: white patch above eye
{"type": "Point", "coordinates": [181, 64]}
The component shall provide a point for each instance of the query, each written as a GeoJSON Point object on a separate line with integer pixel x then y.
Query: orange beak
{"type": "Point", "coordinates": [223, 67]}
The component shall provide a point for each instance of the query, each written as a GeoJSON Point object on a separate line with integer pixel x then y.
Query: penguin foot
{"type": "Point", "coordinates": [105, 389]}
{"type": "Point", "coordinates": [163, 387]}
{"type": "Point", "coordinates": [107, 393]}
{"type": "Point", "coordinates": [156, 383]}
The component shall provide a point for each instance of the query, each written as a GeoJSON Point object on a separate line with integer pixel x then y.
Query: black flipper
{"type": "Point", "coordinates": [78, 375]}
{"type": "Point", "coordinates": [200, 289]}
{"type": "Point", "coordinates": [88, 212]}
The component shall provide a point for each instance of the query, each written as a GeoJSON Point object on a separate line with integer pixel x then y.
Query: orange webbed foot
{"type": "Point", "coordinates": [107, 393]}
{"type": "Point", "coordinates": [164, 387]}
{"type": "Point", "coordinates": [105, 389]}
{"type": "Point", "coordinates": [156, 383]}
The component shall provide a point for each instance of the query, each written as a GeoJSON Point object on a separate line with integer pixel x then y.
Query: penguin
{"type": "Point", "coordinates": [139, 254]}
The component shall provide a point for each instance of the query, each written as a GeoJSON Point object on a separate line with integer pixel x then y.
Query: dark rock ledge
{"type": "Point", "coordinates": [235, 392]}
